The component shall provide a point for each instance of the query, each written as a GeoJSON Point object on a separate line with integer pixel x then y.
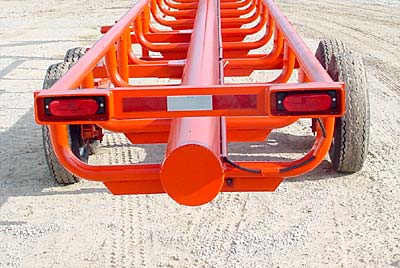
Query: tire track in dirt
{"type": "Point", "coordinates": [224, 224]}
{"type": "Point", "coordinates": [144, 236]}
{"type": "Point", "coordinates": [130, 248]}
{"type": "Point", "coordinates": [120, 241]}
{"type": "Point", "coordinates": [377, 47]}
{"type": "Point", "coordinates": [383, 95]}
{"type": "Point", "coordinates": [388, 81]}
{"type": "Point", "coordinates": [370, 9]}
{"type": "Point", "coordinates": [133, 243]}
{"type": "Point", "coordinates": [235, 228]}
{"type": "Point", "coordinates": [361, 39]}
{"type": "Point", "coordinates": [120, 235]}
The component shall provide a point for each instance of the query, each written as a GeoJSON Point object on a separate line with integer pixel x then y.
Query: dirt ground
{"type": "Point", "coordinates": [322, 219]}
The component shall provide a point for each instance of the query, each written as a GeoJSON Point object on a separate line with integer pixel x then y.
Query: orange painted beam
{"type": "Point", "coordinates": [192, 172]}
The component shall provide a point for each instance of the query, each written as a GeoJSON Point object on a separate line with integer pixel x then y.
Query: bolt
{"type": "Point", "coordinates": [229, 181]}
{"type": "Point", "coordinates": [101, 105]}
{"type": "Point", "coordinates": [47, 107]}
{"type": "Point", "coordinates": [279, 102]}
{"type": "Point", "coordinates": [333, 99]}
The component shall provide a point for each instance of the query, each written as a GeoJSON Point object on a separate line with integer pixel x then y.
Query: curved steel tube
{"type": "Point", "coordinates": [156, 47]}
{"type": "Point", "coordinates": [265, 61]}
{"type": "Point", "coordinates": [184, 23]}
{"type": "Point", "coordinates": [248, 31]}
{"type": "Point", "coordinates": [289, 61]}
{"type": "Point", "coordinates": [254, 44]}
{"type": "Point", "coordinates": [111, 67]}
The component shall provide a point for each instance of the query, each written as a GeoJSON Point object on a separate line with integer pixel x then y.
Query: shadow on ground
{"type": "Point", "coordinates": [22, 164]}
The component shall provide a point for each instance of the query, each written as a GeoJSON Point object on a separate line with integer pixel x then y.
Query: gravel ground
{"type": "Point", "coordinates": [322, 219]}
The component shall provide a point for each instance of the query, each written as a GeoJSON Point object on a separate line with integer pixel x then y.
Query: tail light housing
{"type": "Point", "coordinates": [306, 103]}
{"type": "Point", "coordinates": [72, 109]}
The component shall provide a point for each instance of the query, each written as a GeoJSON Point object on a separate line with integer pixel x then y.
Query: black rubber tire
{"type": "Point", "coordinates": [72, 56]}
{"type": "Point", "coordinates": [349, 148]}
{"type": "Point", "coordinates": [58, 172]}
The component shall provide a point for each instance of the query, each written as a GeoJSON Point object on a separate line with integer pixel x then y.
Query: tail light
{"type": "Point", "coordinates": [306, 103]}
{"type": "Point", "coordinates": [72, 109]}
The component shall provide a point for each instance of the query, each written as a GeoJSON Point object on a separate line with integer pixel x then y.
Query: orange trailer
{"type": "Point", "coordinates": [200, 43]}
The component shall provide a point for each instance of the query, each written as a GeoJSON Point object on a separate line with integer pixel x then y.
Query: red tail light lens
{"type": "Point", "coordinates": [307, 102]}
{"type": "Point", "coordinates": [73, 107]}
{"type": "Point", "coordinates": [69, 109]}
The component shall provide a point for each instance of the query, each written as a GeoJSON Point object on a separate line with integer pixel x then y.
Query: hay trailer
{"type": "Point", "coordinates": [198, 44]}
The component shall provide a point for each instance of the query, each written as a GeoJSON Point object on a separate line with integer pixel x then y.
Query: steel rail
{"type": "Point", "coordinates": [192, 172]}
{"type": "Point", "coordinates": [307, 60]}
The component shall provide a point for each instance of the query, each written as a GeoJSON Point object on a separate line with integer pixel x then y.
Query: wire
{"type": "Point", "coordinates": [225, 159]}
{"type": "Point", "coordinates": [287, 169]}
{"type": "Point", "coordinates": [322, 127]}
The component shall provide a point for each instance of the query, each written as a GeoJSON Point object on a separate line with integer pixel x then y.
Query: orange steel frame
{"type": "Point", "coordinates": [203, 42]}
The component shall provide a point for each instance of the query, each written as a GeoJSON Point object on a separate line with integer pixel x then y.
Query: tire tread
{"type": "Point", "coordinates": [350, 147]}
{"type": "Point", "coordinates": [58, 172]}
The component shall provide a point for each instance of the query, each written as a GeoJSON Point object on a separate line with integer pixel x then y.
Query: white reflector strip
{"type": "Point", "coordinates": [176, 62]}
{"type": "Point", "coordinates": [189, 103]}
{"type": "Point", "coordinates": [185, 31]}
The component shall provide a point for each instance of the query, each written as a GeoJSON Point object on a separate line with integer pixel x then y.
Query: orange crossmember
{"type": "Point", "coordinates": [203, 43]}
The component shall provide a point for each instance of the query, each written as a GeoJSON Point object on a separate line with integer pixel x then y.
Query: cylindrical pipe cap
{"type": "Point", "coordinates": [192, 175]}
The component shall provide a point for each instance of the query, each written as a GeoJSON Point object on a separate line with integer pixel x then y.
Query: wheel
{"type": "Point", "coordinates": [350, 141]}
{"type": "Point", "coordinates": [72, 56]}
{"type": "Point", "coordinates": [78, 146]}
